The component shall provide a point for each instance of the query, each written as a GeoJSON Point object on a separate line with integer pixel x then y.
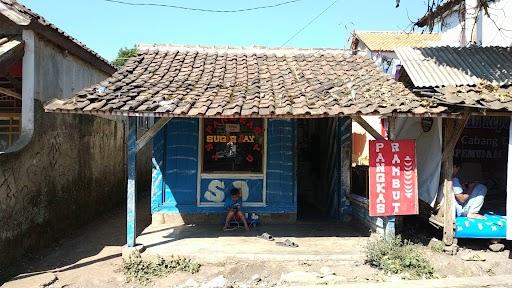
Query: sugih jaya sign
{"type": "Point", "coordinates": [393, 180]}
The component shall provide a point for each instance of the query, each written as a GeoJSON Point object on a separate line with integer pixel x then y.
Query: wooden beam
{"type": "Point", "coordinates": [455, 132]}
{"type": "Point", "coordinates": [453, 128]}
{"type": "Point", "coordinates": [360, 120]}
{"type": "Point", "coordinates": [144, 139]}
{"type": "Point", "coordinates": [10, 93]}
{"type": "Point", "coordinates": [131, 193]}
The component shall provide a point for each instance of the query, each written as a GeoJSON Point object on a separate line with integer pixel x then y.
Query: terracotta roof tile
{"type": "Point", "coordinates": [258, 82]}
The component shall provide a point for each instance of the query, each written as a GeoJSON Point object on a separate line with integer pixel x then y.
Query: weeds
{"type": "Point", "coordinates": [143, 271]}
{"type": "Point", "coordinates": [395, 256]}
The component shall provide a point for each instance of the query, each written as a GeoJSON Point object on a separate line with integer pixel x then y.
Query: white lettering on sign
{"type": "Point", "coordinates": [381, 208]}
{"type": "Point", "coordinates": [396, 206]}
{"type": "Point", "coordinates": [217, 194]}
{"type": "Point", "coordinates": [380, 178]}
{"type": "Point", "coordinates": [379, 146]}
{"type": "Point", "coordinates": [395, 183]}
{"type": "Point", "coordinates": [244, 188]}
{"type": "Point", "coordinates": [396, 160]}
{"type": "Point", "coordinates": [215, 191]}
{"type": "Point", "coordinates": [408, 177]}
{"type": "Point", "coordinates": [395, 171]}
{"type": "Point", "coordinates": [395, 147]}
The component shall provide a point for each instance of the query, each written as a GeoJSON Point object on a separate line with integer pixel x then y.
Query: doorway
{"type": "Point", "coordinates": [316, 169]}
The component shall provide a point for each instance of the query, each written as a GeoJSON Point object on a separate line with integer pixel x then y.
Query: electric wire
{"type": "Point", "coordinates": [309, 23]}
{"type": "Point", "coordinates": [202, 9]}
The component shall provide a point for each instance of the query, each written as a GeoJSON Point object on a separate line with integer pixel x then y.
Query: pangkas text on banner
{"type": "Point", "coordinates": [393, 182]}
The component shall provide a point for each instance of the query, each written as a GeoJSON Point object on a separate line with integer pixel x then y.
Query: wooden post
{"type": "Point", "coordinates": [390, 228]}
{"type": "Point", "coordinates": [452, 130]}
{"type": "Point", "coordinates": [131, 215]}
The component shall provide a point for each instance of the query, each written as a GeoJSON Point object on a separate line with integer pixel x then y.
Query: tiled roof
{"type": "Point", "coordinates": [22, 15]}
{"type": "Point", "coordinates": [184, 81]}
{"type": "Point", "coordinates": [388, 41]}
{"type": "Point", "coordinates": [482, 96]}
{"type": "Point", "coordinates": [456, 66]}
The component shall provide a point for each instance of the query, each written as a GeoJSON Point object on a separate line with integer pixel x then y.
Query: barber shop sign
{"type": "Point", "coordinates": [393, 182]}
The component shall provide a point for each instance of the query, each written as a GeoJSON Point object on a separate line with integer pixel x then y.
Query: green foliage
{"type": "Point", "coordinates": [123, 55]}
{"type": "Point", "coordinates": [143, 271]}
{"type": "Point", "coordinates": [395, 256]}
{"type": "Point", "coordinates": [437, 246]}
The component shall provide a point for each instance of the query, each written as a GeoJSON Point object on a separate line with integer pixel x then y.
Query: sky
{"type": "Point", "coordinates": [106, 27]}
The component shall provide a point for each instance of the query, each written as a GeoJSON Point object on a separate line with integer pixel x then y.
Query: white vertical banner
{"type": "Point", "coordinates": [509, 184]}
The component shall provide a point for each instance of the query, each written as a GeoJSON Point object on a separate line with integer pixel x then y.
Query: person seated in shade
{"type": "Point", "coordinates": [234, 206]}
{"type": "Point", "coordinates": [469, 197]}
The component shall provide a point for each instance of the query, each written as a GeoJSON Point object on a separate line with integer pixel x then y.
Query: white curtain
{"type": "Point", "coordinates": [428, 154]}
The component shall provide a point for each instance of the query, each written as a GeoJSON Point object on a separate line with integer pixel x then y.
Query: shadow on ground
{"type": "Point", "coordinates": [85, 246]}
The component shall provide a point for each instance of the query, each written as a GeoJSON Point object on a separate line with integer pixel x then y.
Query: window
{"type": "Point", "coordinates": [233, 145]}
{"type": "Point", "coordinates": [9, 130]}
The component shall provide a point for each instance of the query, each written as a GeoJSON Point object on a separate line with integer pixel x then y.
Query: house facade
{"type": "Point", "coordinates": [467, 22]}
{"type": "Point", "coordinates": [56, 171]}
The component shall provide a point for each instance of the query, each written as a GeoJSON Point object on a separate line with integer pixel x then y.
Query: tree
{"type": "Point", "coordinates": [123, 55]}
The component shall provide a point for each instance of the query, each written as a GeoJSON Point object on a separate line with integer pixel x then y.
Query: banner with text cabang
{"type": "Point", "coordinates": [393, 182]}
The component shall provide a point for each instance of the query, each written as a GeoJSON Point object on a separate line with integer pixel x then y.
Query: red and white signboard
{"type": "Point", "coordinates": [393, 182]}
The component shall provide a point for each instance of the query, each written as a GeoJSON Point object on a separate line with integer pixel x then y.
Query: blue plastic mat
{"type": "Point", "coordinates": [493, 227]}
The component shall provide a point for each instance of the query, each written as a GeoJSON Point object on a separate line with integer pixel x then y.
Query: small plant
{"type": "Point", "coordinates": [437, 246]}
{"type": "Point", "coordinates": [143, 271]}
{"type": "Point", "coordinates": [395, 256]}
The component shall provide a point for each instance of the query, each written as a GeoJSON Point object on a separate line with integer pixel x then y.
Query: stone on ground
{"type": "Point", "coordinates": [497, 247]}
{"type": "Point", "coordinates": [217, 282]}
{"type": "Point", "coordinates": [311, 278]}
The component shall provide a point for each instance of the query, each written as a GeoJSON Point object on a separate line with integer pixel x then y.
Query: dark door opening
{"type": "Point", "coordinates": [316, 170]}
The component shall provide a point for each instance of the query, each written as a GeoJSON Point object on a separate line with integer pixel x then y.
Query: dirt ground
{"type": "Point", "coordinates": [91, 257]}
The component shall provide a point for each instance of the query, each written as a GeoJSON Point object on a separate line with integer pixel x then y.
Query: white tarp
{"type": "Point", "coordinates": [428, 154]}
{"type": "Point", "coordinates": [509, 185]}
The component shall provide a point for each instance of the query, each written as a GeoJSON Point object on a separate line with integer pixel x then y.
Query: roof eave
{"type": "Point", "coordinates": [72, 47]}
{"type": "Point", "coordinates": [438, 12]}
{"type": "Point", "coordinates": [56, 38]}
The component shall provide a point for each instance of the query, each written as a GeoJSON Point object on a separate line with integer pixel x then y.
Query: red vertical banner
{"type": "Point", "coordinates": [393, 179]}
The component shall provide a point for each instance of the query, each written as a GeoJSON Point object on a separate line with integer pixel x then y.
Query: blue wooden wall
{"type": "Point", "coordinates": [281, 182]}
{"type": "Point", "coordinates": [175, 169]}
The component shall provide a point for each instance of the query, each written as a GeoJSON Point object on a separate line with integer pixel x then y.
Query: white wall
{"type": "Point", "coordinates": [492, 30]}
{"type": "Point", "coordinates": [500, 16]}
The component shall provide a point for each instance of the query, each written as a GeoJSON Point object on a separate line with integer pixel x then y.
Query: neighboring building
{"type": "Point", "coordinates": [56, 171]}
{"type": "Point", "coordinates": [480, 79]}
{"type": "Point", "coordinates": [465, 22]}
{"type": "Point", "coordinates": [380, 45]}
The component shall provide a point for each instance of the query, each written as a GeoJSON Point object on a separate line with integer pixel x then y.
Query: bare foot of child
{"type": "Point", "coordinates": [475, 216]}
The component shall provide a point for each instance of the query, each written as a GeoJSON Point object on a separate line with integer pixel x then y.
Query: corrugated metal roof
{"type": "Point", "coordinates": [457, 66]}
{"type": "Point", "coordinates": [388, 41]}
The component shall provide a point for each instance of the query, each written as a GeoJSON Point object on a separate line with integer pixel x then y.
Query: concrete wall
{"type": "Point", "coordinates": [71, 170]}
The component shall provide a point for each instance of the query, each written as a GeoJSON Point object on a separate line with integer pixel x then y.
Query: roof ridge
{"type": "Point", "coordinates": [397, 32]}
{"type": "Point", "coordinates": [245, 49]}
